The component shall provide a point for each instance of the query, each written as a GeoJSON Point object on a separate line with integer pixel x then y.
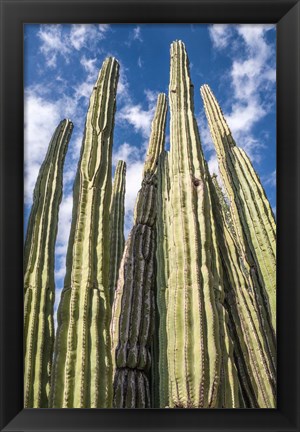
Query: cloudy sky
{"type": "Point", "coordinates": [61, 66]}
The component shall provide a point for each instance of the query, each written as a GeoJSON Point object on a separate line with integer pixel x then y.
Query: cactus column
{"type": "Point", "coordinates": [253, 341]}
{"type": "Point", "coordinates": [82, 369]}
{"type": "Point", "coordinates": [162, 259]}
{"type": "Point", "coordinates": [39, 271]}
{"type": "Point", "coordinates": [193, 322]}
{"type": "Point", "coordinates": [132, 323]}
{"type": "Point", "coordinates": [117, 226]}
{"type": "Point", "coordinates": [251, 212]}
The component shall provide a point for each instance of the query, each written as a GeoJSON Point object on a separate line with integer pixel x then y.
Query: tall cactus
{"type": "Point", "coordinates": [251, 212]}
{"type": "Point", "coordinates": [39, 283]}
{"type": "Point", "coordinates": [82, 369]}
{"type": "Point", "coordinates": [162, 258]}
{"type": "Point", "coordinates": [193, 289]}
{"type": "Point", "coordinates": [116, 226]}
{"type": "Point", "coordinates": [132, 323]}
{"type": "Point", "coordinates": [253, 339]}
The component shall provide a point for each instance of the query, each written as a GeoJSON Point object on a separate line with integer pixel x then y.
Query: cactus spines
{"type": "Point", "coordinates": [229, 396]}
{"type": "Point", "coordinates": [251, 212]}
{"type": "Point", "coordinates": [116, 226]}
{"type": "Point", "coordinates": [39, 286]}
{"type": "Point", "coordinates": [132, 323]}
{"type": "Point", "coordinates": [253, 339]}
{"type": "Point", "coordinates": [82, 369]}
{"type": "Point", "coordinates": [162, 258]}
{"type": "Point", "coordinates": [193, 351]}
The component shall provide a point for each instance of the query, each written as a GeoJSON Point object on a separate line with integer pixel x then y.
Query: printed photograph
{"type": "Point", "coordinates": [150, 216]}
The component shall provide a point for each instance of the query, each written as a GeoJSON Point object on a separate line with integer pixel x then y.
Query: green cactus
{"type": "Point", "coordinates": [133, 320]}
{"type": "Point", "coordinates": [253, 339]}
{"type": "Point", "coordinates": [193, 292]}
{"type": "Point", "coordinates": [82, 367]}
{"type": "Point", "coordinates": [39, 286]}
{"type": "Point", "coordinates": [251, 212]}
{"type": "Point", "coordinates": [116, 226]}
{"type": "Point", "coordinates": [229, 394]}
{"type": "Point", "coordinates": [162, 259]}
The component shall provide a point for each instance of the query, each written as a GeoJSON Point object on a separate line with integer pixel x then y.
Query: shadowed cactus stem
{"type": "Point", "coordinates": [116, 226]}
{"type": "Point", "coordinates": [162, 259]}
{"type": "Point", "coordinates": [39, 287]}
{"type": "Point", "coordinates": [253, 339]}
{"type": "Point", "coordinates": [82, 369]}
{"type": "Point", "coordinates": [133, 319]}
{"type": "Point", "coordinates": [251, 212]}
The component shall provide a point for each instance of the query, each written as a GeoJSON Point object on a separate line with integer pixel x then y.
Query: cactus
{"type": "Point", "coordinates": [116, 226]}
{"type": "Point", "coordinates": [82, 367]}
{"type": "Point", "coordinates": [133, 320]}
{"type": "Point", "coordinates": [253, 338]}
{"type": "Point", "coordinates": [39, 286]}
{"type": "Point", "coordinates": [163, 222]}
{"type": "Point", "coordinates": [229, 394]}
{"type": "Point", "coordinates": [251, 212]}
{"type": "Point", "coordinates": [194, 292]}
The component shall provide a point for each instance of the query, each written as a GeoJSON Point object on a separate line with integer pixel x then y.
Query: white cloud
{"type": "Point", "coordinates": [213, 165]}
{"type": "Point", "coordinates": [89, 65]}
{"type": "Point", "coordinates": [139, 62]}
{"type": "Point", "coordinates": [134, 35]}
{"type": "Point", "coordinates": [104, 28]}
{"type": "Point", "coordinates": [84, 89]}
{"type": "Point", "coordinates": [78, 36]}
{"type": "Point", "coordinates": [220, 35]}
{"type": "Point", "coordinates": [64, 223]}
{"type": "Point", "coordinates": [123, 86]}
{"type": "Point", "coordinates": [53, 43]}
{"type": "Point", "coordinates": [125, 152]}
{"type": "Point", "coordinates": [137, 34]}
{"type": "Point", "coordinates": [138, 117]}
{"type": "Point", "coordinates": [269, 179]}
{"type": "Point", "coordinates": [56, 304]}
{"type": "Point", "coordinates": [57, 40]}
{"type": "Point", "coordinates": [254, 33]}
{"type": "Point", "coordinates": [151, 97]}
{"type": "Point", "coordinates": [243, 116]}
{"type": "Point", "coordinates": [84, 35]}
{"type": "Point", "coordinates": [76, 146]}
{"type": "Point", "coordinates": [252, 76]}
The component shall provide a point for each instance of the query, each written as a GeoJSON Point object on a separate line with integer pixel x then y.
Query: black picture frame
{"type": "Point", "coordinates": [286, 14]}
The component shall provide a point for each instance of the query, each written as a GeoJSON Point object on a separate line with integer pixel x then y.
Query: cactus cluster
{"type": "Point", "coordinates": [182, 314]}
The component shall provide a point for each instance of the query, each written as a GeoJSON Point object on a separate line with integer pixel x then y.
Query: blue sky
{"type": "Point", "coordinates": [61, 66]}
